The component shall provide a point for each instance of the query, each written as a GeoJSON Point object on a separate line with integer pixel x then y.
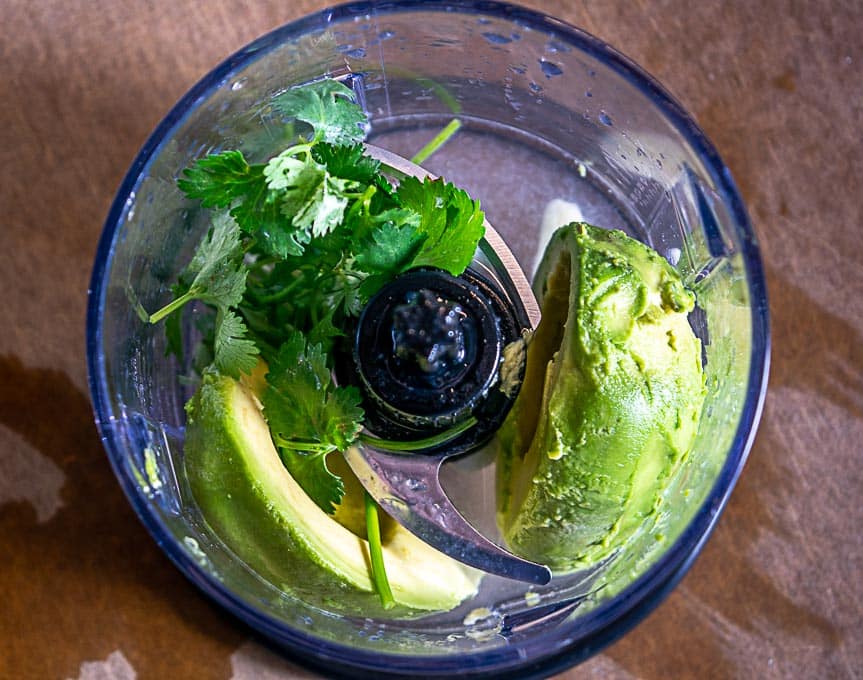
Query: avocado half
{"type": "Point", "coordinates": [254, 505]}
{"type": "Point", "coordinates": [610, 403]}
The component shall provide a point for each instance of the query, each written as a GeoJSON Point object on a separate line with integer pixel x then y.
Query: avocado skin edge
{"type": "Point", "coordinates": [622, 398]}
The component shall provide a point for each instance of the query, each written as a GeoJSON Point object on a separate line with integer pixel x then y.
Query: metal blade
{"type": "Point", "coordinates": [407, 487]}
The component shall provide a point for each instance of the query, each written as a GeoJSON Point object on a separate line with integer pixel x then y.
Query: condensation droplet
{"type": "Point", "coordinates": [352, 52]}
{"type": "Point", "coordinates": [496, 38]}
{"type": "Point", "coordinates": [549, 68]}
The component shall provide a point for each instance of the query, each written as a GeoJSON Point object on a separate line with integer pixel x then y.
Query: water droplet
{"type": "Point", "coordinates": [238, 84]}
{"type": "Point", "coordinates": [555, 46]}
{"type": "Point", "coordinates": [535, 87]}
{"type": "Point", "coordinates": [549, 68]}
{"type": "Point", "coordinates": [445, 42]}
{"type": "Point", "coordinates": [518, 68]}
{"type": "Point", "coordinates": [351, 51]}
{"type": "Point", "coordinates": [605, 119]}
{"type": "Point", "coordinates": [496, 38]}
{"type": "Point", "coordinates": [416, 485]}
{"type": "Point", "coordinates": [588, 93]}
{"type": "Point", "coordinates": [386, 35]}
{"type": "Point", "coordinates": [394, 505]}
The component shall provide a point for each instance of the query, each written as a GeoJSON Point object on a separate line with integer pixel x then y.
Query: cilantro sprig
{"type": "Point", "coordinates": [217, 277]}
{"type": "Point", "coordinates": [297, 245]}
{"type": "Point", "coordinates": [310, 417]}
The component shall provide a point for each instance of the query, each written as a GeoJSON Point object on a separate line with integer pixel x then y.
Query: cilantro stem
{"type": "Point", "coordinates": [395, 446]}
{"type": "Point", "coordinates": [281, 294]}
{"type": "Point", "coordinates": [439, 90]}
{"type": "Point", "coordinates": [172, 306]}
{"type": "Point", "coordinates": [306, 446]}
{"type": "Point", "coordinates": [379, 574]}
{"type": "Point", "coordinates": [136, 303]}
{"type": "Point", "coordinates": [439, 140]}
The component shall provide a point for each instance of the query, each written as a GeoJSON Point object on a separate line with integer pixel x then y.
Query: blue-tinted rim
{"type": "Point", "coordinates": [610, 619]}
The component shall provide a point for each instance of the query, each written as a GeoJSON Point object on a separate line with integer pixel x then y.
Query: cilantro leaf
{"type": "Point", "coordinates": [216, 270]}
{"type": "Point", "coordinates": [309, 416]}
{"type": "Point", "coordinates": [324, 213]}
{"type": "Point", "coordinates": [347, 162]}
{"type": "Point", "coordinates": [325, 331]}
{"type": "Point", "coordinates": [233, 352]}
{"type": "Point", "coordinates": [389, 251]}
{"type": "Point", "coordinates": [451, 221]}
{"type": "Point", "coordinates": [218, 180]}
{"type": "Point", "coordinates": [313, 199]}
{"type": "Point", "coordinates": [328, 106]}
{"type": "Point", "coordinates": [227, 180]}
{"type": "Point", "coordinates": [312, 474]}
{"type": "Point", "coordinates": [344, 290]}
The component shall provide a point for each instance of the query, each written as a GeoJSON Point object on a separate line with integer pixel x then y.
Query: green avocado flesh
{"type": "Point", "coordinates": [253, 504]}
{"type": "Point", "coordinates": [610, 402]}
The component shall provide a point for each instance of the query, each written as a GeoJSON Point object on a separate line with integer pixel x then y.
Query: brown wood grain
{"type": "Point", "coordinates": [778, 87]}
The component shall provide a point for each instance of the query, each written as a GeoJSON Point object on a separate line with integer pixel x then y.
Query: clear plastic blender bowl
{"type": "Point", "coordinates": [548, 112]}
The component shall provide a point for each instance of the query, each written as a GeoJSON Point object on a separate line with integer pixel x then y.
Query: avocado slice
{"type": "Point", "coordinates": [254, 505]}
{"type": "Point", "coordinates": [610, 403]}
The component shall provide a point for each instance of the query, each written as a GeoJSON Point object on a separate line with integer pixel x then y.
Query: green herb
{"type": "Point", "coordinates": [439, 439]}
{"type": "Point", "coordinates": [376, 554]}
{"type": "Point", "coordinates": [217, 274]}
{"type": "Point", "coordinates": [226, 180]}
{"type": "Point", "coordinates": [310, 417]}
{"type": "Point", "coordinates": [328, 106]}
{"type": "Point", "coordinates": [218, 278]}
{"type": "Point", "coordinates": [451, 221]}
{"type": "Point", "coordinates": [233, 352]}
{"type": "Point", "coordinates": [388, 251]}
{"type": "Point", "coordinates": [437, 142]}
{"type": "Point", "coordinates": [348, 162]}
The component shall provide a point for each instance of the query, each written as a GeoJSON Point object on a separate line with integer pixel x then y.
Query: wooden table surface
{"type": "Point", "coordinates": [777, 86]}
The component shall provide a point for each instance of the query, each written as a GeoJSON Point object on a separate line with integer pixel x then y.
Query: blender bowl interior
{"type": "Point", "coordinates": [548, 112]}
